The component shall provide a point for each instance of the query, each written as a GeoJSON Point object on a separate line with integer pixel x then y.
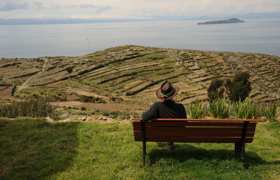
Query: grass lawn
{"type": "Point", "coordinates": [34, 149]}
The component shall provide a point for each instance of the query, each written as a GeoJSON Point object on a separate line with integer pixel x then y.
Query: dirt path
{"type": "Point", "coordinates": [87, 93]}
{"type": "Point", "coordinates": [26, 83]}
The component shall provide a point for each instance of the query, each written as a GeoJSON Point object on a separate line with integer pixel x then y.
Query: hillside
{"type": "Point", "coordinates": [130, 74]}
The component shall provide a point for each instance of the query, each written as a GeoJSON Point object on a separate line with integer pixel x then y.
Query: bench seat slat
{"type": "Point", "coordinates": [137, 124]}
{"type": "Point", "coordinates": [193, 132]}
{"type": "Point", "coordinates": [196, 139]}
{"type": "Point", "coordinates": [250, 127]}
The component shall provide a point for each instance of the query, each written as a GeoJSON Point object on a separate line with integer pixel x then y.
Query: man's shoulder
{"type": "Point", "coordinates": [180, 105]}
{"type": "Point", "coordinates": [157, 103]}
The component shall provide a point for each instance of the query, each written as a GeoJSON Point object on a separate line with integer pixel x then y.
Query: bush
{"type": "Point", "coordinates": [197, 110]}
{"type": "Point", "coordinates": [244, 110]}
{"type": "Point", "coordinates": [269, 111]}
{"type": "Point", "coordinates": [29, 108]}
{"type": "Point", "coordinates": [237, 89]}
{"type": "Point", "coordinates": [219, 108]}
{"type": "Point", "coordinates": [219, 89]}
{"type": "Point", "coordinates": [69, 69]}
{"type": "Point", "coordinates": [241, 87]}
{"type": "Point", "coordinates": [91, 99]}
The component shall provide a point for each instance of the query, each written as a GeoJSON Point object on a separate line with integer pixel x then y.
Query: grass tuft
{"type": "Point", "coordinates": [197, 110]}
{"type": "Point", "coordinates": [269, 111]}
{"type": "Point", "coordinates": [244, 110]}
{"type": "Point", "coordinates": [220, 108]}
{"type": "Point", "coordinates": [28, 108]}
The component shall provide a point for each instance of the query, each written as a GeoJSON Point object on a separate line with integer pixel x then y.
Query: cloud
{"type": "Point", "coordinates": [13, 5]}
{"type": "Point", "coordinates": [10, 5]}
{"type": "Point", "coordinates": [93, 8]}
{"type": "Point", "coordinates": [132, 8]}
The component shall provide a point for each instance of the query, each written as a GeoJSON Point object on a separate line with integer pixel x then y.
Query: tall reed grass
{"type": "Point", "coordinates": [220, 108]}
{"type": "Point", "coordinates": [269, 111]}
{"type": "Point", "coordinates": [197, 110]}
{"type": "Point", "coordinates": [244, 110]}
{"type": "Point", "coordinates": [28, 108]}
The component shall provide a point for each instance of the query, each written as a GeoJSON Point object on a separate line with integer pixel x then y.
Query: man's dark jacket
{"type": "Point", "coordinates": [165, 109]}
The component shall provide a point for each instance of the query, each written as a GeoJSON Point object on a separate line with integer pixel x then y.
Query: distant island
{"type": "Point", "coordinates": [226, 21]}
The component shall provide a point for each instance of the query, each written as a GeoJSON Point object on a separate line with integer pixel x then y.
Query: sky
{"type": "Point", "coordinates": [118, 9]}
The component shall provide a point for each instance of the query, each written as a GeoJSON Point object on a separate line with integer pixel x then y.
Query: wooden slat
{"type": "Point", "coordinates": [210, 120]}
{"type": "Point", "coordinates": [208, 133]}
{"type": "Point", "coordinates": [184, 122]}
{"type": "Point", "coordinates": [193, 133]}
{"type": "Point", "coordinates": [195, 139]}
{"type": "Point", "coordinates": [250, 126]}
{"type": "Point", "coordinates": [200, 129]}
{"type": "Point", "coordinates": [191, 123]}
{"type": "Point", "coordinates": [181, 122]}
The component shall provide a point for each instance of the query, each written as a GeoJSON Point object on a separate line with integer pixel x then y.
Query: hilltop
{"type": "Point", "coordinates": [226, 21]}
{"type": "Point", "coordinates": [126, 77]}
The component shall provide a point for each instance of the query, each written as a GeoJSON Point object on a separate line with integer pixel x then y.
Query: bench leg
{"type": "Point", "coordinates": [144, 152]}
{"type": "Point", "coordinates": [239, 150]}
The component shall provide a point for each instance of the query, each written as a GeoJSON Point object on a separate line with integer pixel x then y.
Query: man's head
{"type": "Point", "coordinates": [166, 91]}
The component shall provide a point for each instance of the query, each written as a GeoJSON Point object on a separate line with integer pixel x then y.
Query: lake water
{"type": "Point", "coordinates": [261, 36]}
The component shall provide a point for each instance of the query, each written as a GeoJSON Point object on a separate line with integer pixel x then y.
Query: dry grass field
{"type": "Point", "coordinates": [125, 77]}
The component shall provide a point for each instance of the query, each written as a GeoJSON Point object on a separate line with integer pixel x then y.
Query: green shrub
{"type": "Point", "coordinates": [244, 110]}
{"type": "Point", "coordinates": [69, 69]}
{"type": "Point", "coordinates": [219, 88]}
{"type": "Point", "coordinates": [83, 108]}
{"type": "Point", "coordinates": [237, 89]}
{"type": "Point", "coordinates": [29, 108]}
{"type": "Point", "coordinates": [269, 111]}
{"type": "Point", "coordinates": [240, 87]}
{"type": "Point", "coordinates": [91, 99]}
{"type": "Point", "coordinates": [219, 108]}
{"type": "Point", "coordinates": [197, 110]}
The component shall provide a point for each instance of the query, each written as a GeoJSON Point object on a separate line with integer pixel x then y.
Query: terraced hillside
{"type": "Point", "coordinates": [131, 74]}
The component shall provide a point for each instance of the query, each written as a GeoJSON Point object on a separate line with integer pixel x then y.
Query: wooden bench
{"type": "Point", "coordinates": [238, 132]}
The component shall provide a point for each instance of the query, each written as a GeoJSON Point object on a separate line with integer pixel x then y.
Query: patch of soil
{"type": "Point", "coordinates": [5, 92]}
{"type": "Point", "coordinates": [2, 172]}
{"type": "Point", "coordinates": [112, 107]}
{"type": "Point", "coordinates": [83, 118]}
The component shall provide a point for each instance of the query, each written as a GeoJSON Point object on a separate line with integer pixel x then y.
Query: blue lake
{"type": "Point", "coordinates": [262, 36]}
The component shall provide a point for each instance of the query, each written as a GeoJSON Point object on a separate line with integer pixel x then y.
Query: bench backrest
{"type": "Point", "coordinates": [182, 130]}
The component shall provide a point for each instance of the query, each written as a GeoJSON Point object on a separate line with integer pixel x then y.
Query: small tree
{"type": "Point", "coordinates": [14, 89]}
{"type": "Point", "coordinates": [241, 87]}
{"type": "Point", "coordinates": [218, 89]}
{"type": "Point", "coordinates": [1, 80]}
{"type": "Point", "coordinates": [69, 69]}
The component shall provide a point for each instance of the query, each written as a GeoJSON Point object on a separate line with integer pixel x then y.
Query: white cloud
{"type": "Point", "coordinates": [11, 5]}
{"type": "Point", "coordinates": [131, 8]}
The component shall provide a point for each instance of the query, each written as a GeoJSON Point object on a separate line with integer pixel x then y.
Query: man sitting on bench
{"type": "Point", "coordinates": [166, 107]}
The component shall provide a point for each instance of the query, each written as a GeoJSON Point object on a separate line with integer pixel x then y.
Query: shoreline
{"type": "Point", "coordinates": [120, 46]}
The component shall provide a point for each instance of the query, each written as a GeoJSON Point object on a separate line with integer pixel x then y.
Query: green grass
{"type": "Point", "coordinates": [32, 108]}
{"type": "Point", "coordinates": [269, 111]}
{"type": "Point", "coordinates": [220, 108]}
{"type": "Point", "coordinates": [197, 110]}
{"type": "Point", "coordinates": [245, 109]}
{"type": "Point", "coordinates": [34, 149]}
